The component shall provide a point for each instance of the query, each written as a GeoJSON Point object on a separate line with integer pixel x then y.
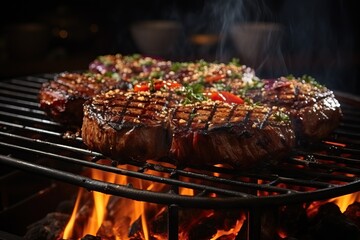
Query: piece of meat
{"type": "Point", "coordinates": [63, 98]}
{"type": "Point", "coordinates": [314, 110]}
{"type": "Point", "coordinates": [144, 125]}
{"type": "Point", "coordinates": [125, 125]}
{"type": "Point", "coordinates": [235, 134]}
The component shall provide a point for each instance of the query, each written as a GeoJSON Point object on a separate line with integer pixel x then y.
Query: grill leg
{"type": "Point", "coordinates": [254, 224]}
{"type": "Point", "coordinates": [173, 222]}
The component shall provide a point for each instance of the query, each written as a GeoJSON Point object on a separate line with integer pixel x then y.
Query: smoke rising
{"type": "Point", "coordinates": [317, 38]}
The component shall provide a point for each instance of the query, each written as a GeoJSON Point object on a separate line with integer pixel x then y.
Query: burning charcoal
{"type": "Point", "coordinates": [49, 228]}
{"type": "Point", "coordinates": [203, 230]}
{"type": "Point", "coordinates": [293, 220]}
{"type": "Point", "coordinates": [159, 224]}
{"type": "Point", "coordinates": [353, 213]}
{"type": "Point", "coordinates": [330, 223]}
{"type": "Point", "coordinates": [106, 231]}
{"type": "Point", "coordinates": [66, 206]}
{"type": "Point", "coordinates": [269, 222]}
{"type": "Point", "coordinates": [136, 231]}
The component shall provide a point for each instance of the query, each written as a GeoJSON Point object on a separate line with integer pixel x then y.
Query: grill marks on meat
{"type": "Point", "coordinates": [237, 135]}
{"type": "Point", "coordinates": [146, 125]}
{"type": "Point", "coordinates": [63, 98]}
{"type": "Point", "coordinates": [314, 110]}
{"type": "Point", "coordinates": [126, 125]}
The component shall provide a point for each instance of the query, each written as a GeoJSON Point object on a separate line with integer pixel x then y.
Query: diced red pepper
{"type": "Point", "coordinates": [214, 78]}
{"type": "Point", "coordinates": [145, 86]}
{"type": "Point", "coordinates": [225, 97]}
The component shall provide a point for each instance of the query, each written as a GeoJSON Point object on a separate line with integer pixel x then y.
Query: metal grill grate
{"type": "Point", "coordinates": [30, 141]}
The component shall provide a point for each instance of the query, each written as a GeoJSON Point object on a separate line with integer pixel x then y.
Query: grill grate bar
{"type": "Point", "coordinates": [40, 79]}
{"type": "Point", "coordinates": [347, 133]}
{"type": "Point", "coordinates": [315, 166]}
{"type": "Point", "coordinates": [19, 88]}
{"type": "Point", "coordinates": [32, 119]}
{"type": "Point", "coordinates": [330, 157]}
{"type": "Point", "coordinates": [27, 84]}
{"type": "Point", "coordinates": [19, 101]}
{"type": "Point", "coordinates": [35, 130]}
{"type": "Point", "coordinates": [217, 179]}
{"type": "Point", "coordinates": [350, 125]}
{"type": "Point", "coordinates": [16, 95]}
{"type": "Point", "coordinates": [51, 144]}
{"type": "Point", "coordinates": [23, 109]}
{"type": "Point", "coordinates": [274, 179]}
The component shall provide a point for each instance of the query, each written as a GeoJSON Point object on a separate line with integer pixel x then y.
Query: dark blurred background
{"type": "Point", "coordinates": [318, 38]}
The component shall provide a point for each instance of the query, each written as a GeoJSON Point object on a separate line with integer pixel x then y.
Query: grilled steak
{"type": "Point", "coordinates": [125, 125]}
{"type": "Point", "coordinates": [63, 98]}
{"type": "Point", "coordinates": [238, 135]}
{"type": "Point", "coordinates": [314, 110]}
{"type": "Point", "coordinates": [144, 125]}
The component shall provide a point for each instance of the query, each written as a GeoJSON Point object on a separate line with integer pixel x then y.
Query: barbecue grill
{"type": "Point", "coordinates": [31, 142]}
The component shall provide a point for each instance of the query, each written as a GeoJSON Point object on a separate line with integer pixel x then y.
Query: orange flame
{"type": "Point", "coordinates": [232, 231]}
{"type": "Point", "coordinates": [344, 201]}
{"type": "Point", "coordinates": [70, 226]}
{"type": "Point", "coordinates": [100, 203]}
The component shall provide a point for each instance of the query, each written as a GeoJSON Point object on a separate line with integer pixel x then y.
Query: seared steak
{"type": "Point", "coordinates": [314, 110]}
{"type": "Point", "coordinates": [144, 125]}
{"type": "Point", "coordinates": [125, 125]}
{"type": "Point", "coordinates": [63, 98]}
{"type": "Point", "coordinates": [239, 135]}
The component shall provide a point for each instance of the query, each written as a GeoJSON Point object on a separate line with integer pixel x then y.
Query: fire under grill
{"type": "Point", "coordinates": [31, 142]}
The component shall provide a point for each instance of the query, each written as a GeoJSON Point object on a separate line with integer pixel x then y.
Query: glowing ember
{"type": "Point", "coordinates": [335, 144]}
{"type": "Point", "coordinates": [233, 231]}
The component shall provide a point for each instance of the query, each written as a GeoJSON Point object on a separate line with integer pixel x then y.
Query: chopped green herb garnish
{"type": "Point", "coordinates": [281, 117]}
{"type": "Point", "coordinates": [146, 62]}
{"type": "Point", "coordinates": [193, 93]}
{"type": "Point", "coordinates": [157, 74]}
{"type": "Point", "coordinates": [176, 66]}
{"type": "Point", "coordinates": [105, 60]}
{"type": "Point", "coordinates": [311, 80]}
{"type": "Point", "coordinates": [290, 76]}
{"type": "Point", "coordinates": [257, 84]}
{"type": "Point", "coordinates": [113, 75]}
{"type": "Point", "coordinates": [152, 86]}
{"type": "Point", "coordinates": [133, 57]}
{"type": "Point", "coordinates": [235, 62]}
{"type": "Point", "coordinates": [222, 87]}
{"type": "Point", "coordinates": [202, 64]}
{"type": "Point", "coordinates": [235, 75]}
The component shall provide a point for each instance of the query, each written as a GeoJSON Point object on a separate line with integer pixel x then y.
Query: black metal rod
{"type": "Point", "coordinates": [173, 222]}
{"type": "Point", "coordinates": [254, 223]}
